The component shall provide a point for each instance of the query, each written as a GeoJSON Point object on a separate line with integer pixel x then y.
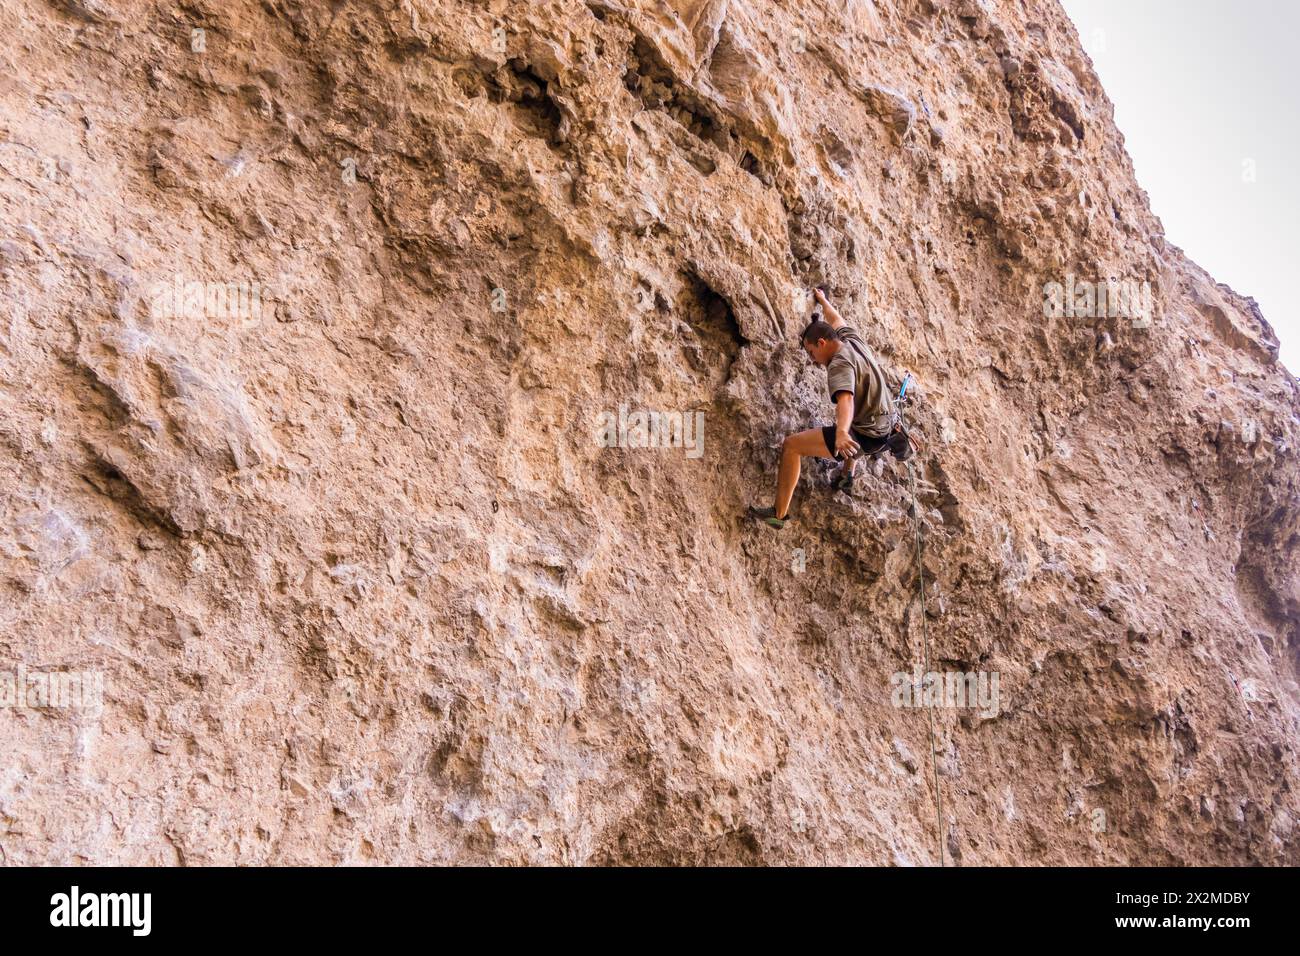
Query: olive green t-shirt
{"type": "Point", "coordinates": [856, 369]}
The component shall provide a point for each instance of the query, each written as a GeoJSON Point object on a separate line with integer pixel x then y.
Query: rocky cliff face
{"type": "Point", "coordinates": [314, 315]}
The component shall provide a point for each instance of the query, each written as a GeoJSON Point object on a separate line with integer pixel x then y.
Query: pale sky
{"type": "Point", "coordinates": [1206, 94]}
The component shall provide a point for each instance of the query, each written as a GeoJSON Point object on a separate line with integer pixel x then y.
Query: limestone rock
{"type": "Point", "coordinates": [323, 329]}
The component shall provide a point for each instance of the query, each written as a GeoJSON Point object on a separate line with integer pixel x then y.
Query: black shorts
{"type": "Point", "coordinates": [869, 444]}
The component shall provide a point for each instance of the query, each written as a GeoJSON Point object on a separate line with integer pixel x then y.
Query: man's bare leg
{"type": "Point", "coordinates": [793, 449]}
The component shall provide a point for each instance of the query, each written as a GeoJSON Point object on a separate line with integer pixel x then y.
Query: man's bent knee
{"type": "Point", "coordinates": [808, 444]}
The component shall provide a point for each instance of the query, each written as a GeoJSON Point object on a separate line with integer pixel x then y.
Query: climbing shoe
{"type": "Point", "coordinates": [768, 516]}
{"type": "Point", "coordinates": [843, 481]}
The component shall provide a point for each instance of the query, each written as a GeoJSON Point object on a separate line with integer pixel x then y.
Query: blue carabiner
{"type": "Point", "coordinates": [907, 380]}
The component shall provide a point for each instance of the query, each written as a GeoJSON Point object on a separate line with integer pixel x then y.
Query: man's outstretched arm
{"type": "Point", "coordinates": [833, 318]}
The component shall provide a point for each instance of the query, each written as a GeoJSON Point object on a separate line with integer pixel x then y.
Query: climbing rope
{"type": "Point", "coordinates": [925, 629]}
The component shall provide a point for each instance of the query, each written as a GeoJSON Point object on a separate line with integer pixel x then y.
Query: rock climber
{"type": "Point", "coordinates": [865, 422]}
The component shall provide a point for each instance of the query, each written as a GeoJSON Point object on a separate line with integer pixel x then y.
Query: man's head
{"type": "Point", "coordinates": [820, 341]}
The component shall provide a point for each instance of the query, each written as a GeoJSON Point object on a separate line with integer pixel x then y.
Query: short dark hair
{"type": "Point", "coordinates": [818, 330]}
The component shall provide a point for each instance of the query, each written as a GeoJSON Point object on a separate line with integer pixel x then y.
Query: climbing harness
{"type": "Point", "coordinates": [925, 630]}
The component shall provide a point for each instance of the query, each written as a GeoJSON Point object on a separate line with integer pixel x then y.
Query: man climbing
{"type": "Point", "coordinates": [864, 411]}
